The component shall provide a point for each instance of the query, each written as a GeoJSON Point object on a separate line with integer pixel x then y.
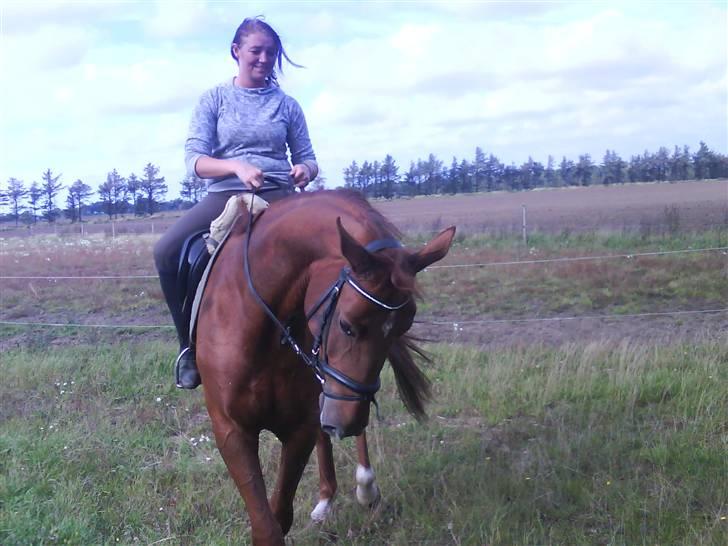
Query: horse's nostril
{"type": "Point", "coordinates": [334, 432]}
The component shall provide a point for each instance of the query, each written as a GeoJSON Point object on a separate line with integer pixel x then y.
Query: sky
{"type": "Point", "coordinates": [87, 87]}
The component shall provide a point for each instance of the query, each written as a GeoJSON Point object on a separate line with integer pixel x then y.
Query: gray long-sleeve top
{"type": "Point", "coordinates": [253, 125]}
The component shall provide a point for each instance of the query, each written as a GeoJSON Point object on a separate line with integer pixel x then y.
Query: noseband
{"type": "Point", "coordinates": [363, 391]}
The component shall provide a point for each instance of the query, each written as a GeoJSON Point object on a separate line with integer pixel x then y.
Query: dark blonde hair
{"type": "Point", "coordinates": [251, 25]}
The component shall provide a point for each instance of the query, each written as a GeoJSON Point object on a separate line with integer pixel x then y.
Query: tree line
{"type": "Point", "coordinates": [487, 173]}
{"type": "Point", "coordinates": [144, 195]}
{"type": "Point", "coordinates": [116, 195]}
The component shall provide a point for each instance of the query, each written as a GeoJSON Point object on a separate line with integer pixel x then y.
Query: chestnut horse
{"type": "Point", "coordinates": [297, 318]}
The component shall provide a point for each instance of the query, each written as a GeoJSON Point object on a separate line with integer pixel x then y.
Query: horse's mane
{"type": "Point", "coordinates": [355, 203]}
{"type": "Point", "coordinates": [413, 386]}
{"type": "Point", "coordinates": [374, 217]}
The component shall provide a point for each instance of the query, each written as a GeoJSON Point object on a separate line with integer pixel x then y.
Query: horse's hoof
{"type": "Point", "coordinates": [367, 491]}
{"type": "Point", "coordinates": [322, 510]}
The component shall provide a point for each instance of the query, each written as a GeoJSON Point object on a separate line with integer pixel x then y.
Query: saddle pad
{"type": "Point", "coordinates": [223, 225]}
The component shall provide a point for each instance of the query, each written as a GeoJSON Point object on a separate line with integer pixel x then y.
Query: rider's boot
{"type": "Point", "coordinates": [185, 367]}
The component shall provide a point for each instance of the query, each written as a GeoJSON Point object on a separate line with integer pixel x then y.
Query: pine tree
{"type": "Point", "coordinates": [466, 177]}
{"type": "Point", "coordinates": [351, 175]}
{"type": "Point", "coordinates": [390, 176]}
{"type": "Point", "coordinates": [479, 170]}
{"type": "Point", "coordinates": [550, 177]}
{"type": "Point", "coordinates": [133, 189]}
{"type": "Point", "coordinates": [16, 192]}
{"type": "Point", "coordinates": [584, 170]}
{"type": "Point", "coordinates": [50, 188]}
{"type": "Point", "coordinates": [80, 192]}
{"type": "Point", "coordinates": [702, 161]}
{"type": "Point", "coordinates": [113, 194]}
{"type": "Point", "coordinates": [152, 186]}
{"type": "Point", "coordinates": [34, 196]}
{"type": "Point", "coordinates": [566, 171]}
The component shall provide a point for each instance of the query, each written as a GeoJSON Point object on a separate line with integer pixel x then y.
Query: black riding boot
{"type": "Point", "coordinates": [185, 367]}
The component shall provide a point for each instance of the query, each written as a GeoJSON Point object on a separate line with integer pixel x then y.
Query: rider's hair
{"type": "Point", "coordinates": [252, 25]}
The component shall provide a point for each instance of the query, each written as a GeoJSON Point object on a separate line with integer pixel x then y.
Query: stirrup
{"type": "Point", "coordinates": [185, 370]}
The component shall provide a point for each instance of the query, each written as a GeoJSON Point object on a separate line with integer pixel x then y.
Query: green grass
{"type": "Point", "coordinates": [584, 444]}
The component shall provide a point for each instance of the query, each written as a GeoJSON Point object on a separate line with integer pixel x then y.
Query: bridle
{"type": "Point", "coordinates": [316, 360]}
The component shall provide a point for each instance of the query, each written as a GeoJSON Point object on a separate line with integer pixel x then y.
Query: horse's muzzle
{"type": "Point", "coordinates": [340, 433]}
{"type": "Point", "coordinates": [340, 419]}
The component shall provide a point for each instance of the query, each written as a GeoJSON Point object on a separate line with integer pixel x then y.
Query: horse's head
{"type": "Point", "coordinates": [375, 307]}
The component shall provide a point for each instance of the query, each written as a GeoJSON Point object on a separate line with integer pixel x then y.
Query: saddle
{"type": "Point", "coordinates": [200, 250]}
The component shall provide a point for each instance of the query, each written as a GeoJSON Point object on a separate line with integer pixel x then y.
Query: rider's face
{"type": "Point", "coordinates": [256, 59]}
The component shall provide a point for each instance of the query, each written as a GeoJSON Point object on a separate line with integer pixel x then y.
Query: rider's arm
{"type": "Point", "coordinates": [200, 141]}
{"type": "Point", "coordinates": [299, 144]}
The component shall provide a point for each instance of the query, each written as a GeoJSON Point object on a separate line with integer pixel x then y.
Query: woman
{"type": "Point", "coordinates": [238, 137]}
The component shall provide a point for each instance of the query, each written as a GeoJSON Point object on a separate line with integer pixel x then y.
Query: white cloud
{"type": "Point", "coordinates": [172, 20]}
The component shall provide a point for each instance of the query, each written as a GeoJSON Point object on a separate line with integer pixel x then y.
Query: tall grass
{"type": "Point", "coordinates": [583, 444]}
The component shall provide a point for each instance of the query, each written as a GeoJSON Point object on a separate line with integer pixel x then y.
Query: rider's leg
{"type": "Point", "coordinates": [166, 258]}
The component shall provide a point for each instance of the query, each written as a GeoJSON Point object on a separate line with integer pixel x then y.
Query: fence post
{"type": "Point", "coordinates": [525, 236]}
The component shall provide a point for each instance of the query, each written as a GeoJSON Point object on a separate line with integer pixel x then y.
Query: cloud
{"type": "Point", "coordinates": [169, 20]}
{"type": "Point", "coordinates": [20, 18]}
{"type": "Point", "coordinates": [49, 48]}
{"type": "Point", "coordinates": [91, 87]}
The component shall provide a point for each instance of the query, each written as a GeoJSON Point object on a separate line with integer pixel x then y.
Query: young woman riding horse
{"type": "Point", "coordinates": [343, 293]}
{"type": "Point", "coordinates": [293, 331]}
{"type": "Point", "coordinates": [240, 130]}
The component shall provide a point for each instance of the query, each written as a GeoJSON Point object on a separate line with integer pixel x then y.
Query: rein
{"type": "Point", "coordinates": [329, 299]}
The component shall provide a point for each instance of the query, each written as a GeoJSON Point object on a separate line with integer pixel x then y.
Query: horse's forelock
{"type": "Point", "coordinates": [402, 277]}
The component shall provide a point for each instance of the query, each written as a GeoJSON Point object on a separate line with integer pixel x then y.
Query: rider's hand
{"type": "Point", "coordinates": [250, 175]}
{"type": "Point", "coordinates": [301, 175]}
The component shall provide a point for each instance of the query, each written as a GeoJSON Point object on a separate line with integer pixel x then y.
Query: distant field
{"type": "Point", "coordinates": [467, 304]}
{"type": "Point", "coordinates": [629, 207]}
{"type": "Point", "coordinates": [645, 207]}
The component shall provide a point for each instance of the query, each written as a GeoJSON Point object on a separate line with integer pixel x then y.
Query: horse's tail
{"type": "Point", "coordinates": [412, 383]}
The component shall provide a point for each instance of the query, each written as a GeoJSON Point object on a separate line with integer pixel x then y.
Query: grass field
{"type": "Point", "coordinates": [564, 432]}
{"type": "Point", "coordinates": [591, 444]}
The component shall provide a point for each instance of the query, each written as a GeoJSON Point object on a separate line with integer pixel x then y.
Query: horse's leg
{"type": "Point", "coordinates": [295, 451]}
{"type": "Point", "coordinates": [327, 476]}
{"type": "Point", "coordinates": [239, 450]}
{"type": "Point", "coordinates": [367, 491]}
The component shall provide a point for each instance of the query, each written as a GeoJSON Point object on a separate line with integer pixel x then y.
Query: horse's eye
{"type": "Point", "coordinates": [346, 328]}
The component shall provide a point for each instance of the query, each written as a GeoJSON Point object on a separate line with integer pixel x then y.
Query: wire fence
{"type": "Point", "coordinates": [628, 256]}
{"type": "Point", "coordinates": [456, 323]}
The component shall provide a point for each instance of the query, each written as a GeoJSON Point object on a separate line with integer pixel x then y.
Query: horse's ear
{"type": "Point", "coordinates": [357, 256]}
{"type": "Point", "coordinates": [433, 251]}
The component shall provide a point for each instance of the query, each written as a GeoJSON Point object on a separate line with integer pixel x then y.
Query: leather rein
{"type": "Point", "coordinates": [328, 300]}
